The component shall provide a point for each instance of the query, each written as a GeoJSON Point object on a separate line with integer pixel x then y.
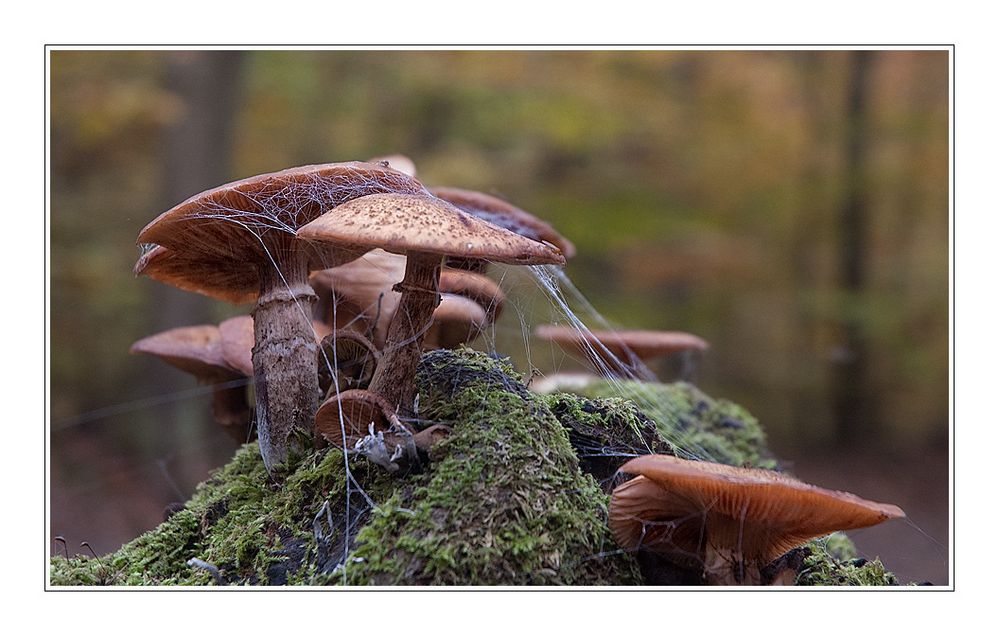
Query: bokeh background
{"type": "Point", "coordinates": [791, 207]}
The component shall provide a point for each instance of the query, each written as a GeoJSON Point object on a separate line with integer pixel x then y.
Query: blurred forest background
{"type": "Point", "coordinates": [791, 207]}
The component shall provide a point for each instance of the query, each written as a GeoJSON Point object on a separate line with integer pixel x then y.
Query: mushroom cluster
{"type": "Point", "coordinates": [372, 240]}
{"type": "Point", "coordinates": [355, 268]}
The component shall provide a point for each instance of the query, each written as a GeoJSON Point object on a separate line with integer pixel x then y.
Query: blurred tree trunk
{"type": "Point", "coordinates": [852, 402]}
{"type": "Point", "coordinates": [197, 149]}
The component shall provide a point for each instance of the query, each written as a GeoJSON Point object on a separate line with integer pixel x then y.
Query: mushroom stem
{"type": "Point", "coordinates": [394, 377]}
{"type": "Point", "coordinates": [726, 566]}
{"type": "Point", "coordinates": [230, 410]}
{"type": "Point", "coordinates": [284, 357]}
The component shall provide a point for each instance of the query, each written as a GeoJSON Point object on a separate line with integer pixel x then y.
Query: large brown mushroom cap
{"type": "Point", "coordinates": [196, 350]}
{"type": "Point", "coordinates": [404, 223]}
{"type": "Point", "coordinates": [624, 344]}
{"type": "Point", "coordinates": [240, 221]}
{"type": "Point", "coordinates": [505, 215]}
{"type": "Point", "coordinates": [680, 507]}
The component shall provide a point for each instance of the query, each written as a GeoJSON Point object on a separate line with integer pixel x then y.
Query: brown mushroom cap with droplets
{"type": "Point", "coordinates": [506, 215]}
{"type": "Point", "coordinates": [684, 508]}
{"type": "Point", "coordinates": [239, 220]}
{"type": "Point", "coordinates": [644, 345]}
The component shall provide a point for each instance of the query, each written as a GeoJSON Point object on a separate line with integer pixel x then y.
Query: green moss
{"type": "Point", "coordinates": [505, 505]}
{"type": "Point", "coordinates": [686, 419]}
{"type": "Point", "coordinates": [833, 560]}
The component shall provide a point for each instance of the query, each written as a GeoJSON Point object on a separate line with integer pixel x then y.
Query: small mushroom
{"type": "Point", "coordinates": [363, 292]}
{"type": "Point", "coordinates": [623, 352]}
{"type": "Point", "coordinates": [426, 230]}
{"type": "Point", "coordinates": [197, 350]}
{"type": "Point", "coordinates": [729, 521]}
{"type": "Point", "coordinates": [477, 287]}
{"type": "Point", "coordinates": [457, 320]}
{"type": "Point", "coordinates": [351, 356]}
{"type": "Point", "coordinates": [249, 226]}
{"type": "Point", "coordinates": [359, 408]}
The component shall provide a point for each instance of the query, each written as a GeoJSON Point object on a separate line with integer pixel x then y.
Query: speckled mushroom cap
{"type": "Point", "coordinates": [682, 505]}
{"type": "Point", "coordinates": [505, 215]}
{"type": "Point", "coordinates": [236, 341]}
{"type": "Point", "coordinates": [229, 281]}
{"type": "Point", "coordinates": [643, 344]}
{"type": "Point", "coordinates": [195, 349]}
{"type": "Point", "coordinates": [240, 221]}
{"type": "Point", "coordinates": [404, 223]}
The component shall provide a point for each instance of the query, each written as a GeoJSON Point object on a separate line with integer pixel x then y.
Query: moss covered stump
{"type": "Point", "coordinates": [512, 497]}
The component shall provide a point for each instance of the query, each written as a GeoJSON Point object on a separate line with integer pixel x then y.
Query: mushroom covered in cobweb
{"type": "Point", "coordinates": [505, 215]}
{"type": "Point", "coordinates": [621, 352]}
{"type": "Point", "coordinates": [728, 522]}
{"type": "Point", "coordinates": [246, 230]}
{"type": "Point", "coordinates": [426, 230]}
{"type": "Point", "coordinates": [198, 351]}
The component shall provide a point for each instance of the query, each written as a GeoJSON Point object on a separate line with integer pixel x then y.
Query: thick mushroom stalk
{"type": "Point", "coordinates": [284, 346]}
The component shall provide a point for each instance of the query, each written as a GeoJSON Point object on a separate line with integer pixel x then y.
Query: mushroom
{"type": "Point", "coordinates": [197, 350]}
{"type": "Point", "coordinates": [250, 225]}
{"type": "Point", "coordinates": [426, 229]}
{"type": "Point", "coordinates": [363, 291]}
{"type": "Point", "coordinates": [457, 320]}
{"type": "Point", "coordinates": [623, 352]}
{"type": "Point", "coordinates": [477, 287]}
{"type": "Point", "coordinates": [351, 356]}
{"type": "Point", "coordinates": [730, 521]}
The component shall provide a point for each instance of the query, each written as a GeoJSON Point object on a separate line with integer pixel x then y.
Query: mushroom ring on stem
{"type": "Point", "coordinates": [425, 229]}
{"type": "Point", "coordinates": [249, 226]}
{"type": "Point", "coordinates": [730, 521]}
